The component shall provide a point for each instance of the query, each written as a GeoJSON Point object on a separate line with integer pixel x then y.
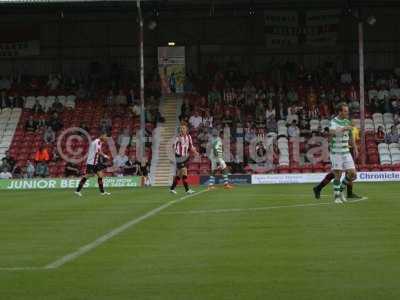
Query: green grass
{"type": "Point", "coordinates": [325, 251]}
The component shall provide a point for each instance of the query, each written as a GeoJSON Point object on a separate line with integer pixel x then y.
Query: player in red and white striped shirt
{"type": "Point", "coordinates": [183, 147]}
{"type": "Point", "coordinates": [94, 166]}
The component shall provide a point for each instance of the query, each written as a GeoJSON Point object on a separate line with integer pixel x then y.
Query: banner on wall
{"type": "Point", "coordinates": [317, 177]}
{"type": "Point", "coordinates": [171, 67]}
{"type": "Point", "coordinates": [19, 49]}
{"type": "Point", "coordinates": [233, 179]}
{"type": "Point", "coordinates": [66, 183]}
{"type": "Point", "coordinates": [289, 28]}
{"type": "Point", "coordinates": [322, 27]}
{"type": "Point", "coordinates": [281, 29]}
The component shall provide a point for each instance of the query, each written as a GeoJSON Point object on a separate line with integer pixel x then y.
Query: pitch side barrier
{"type": "Point", "coordinates": [67, 183]}
{"type": "Point", "coordinates": [384, 176]}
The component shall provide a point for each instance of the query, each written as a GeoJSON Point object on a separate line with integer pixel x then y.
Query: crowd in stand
{"type": "Point", "coordinates": [117, 98]}
{"type": "Point", "coordinates": [225, 98]}
{"type": "Point", "coordinates": [251, 106]}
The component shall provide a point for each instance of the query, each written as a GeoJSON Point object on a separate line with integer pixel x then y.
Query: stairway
{"type": "Point", "coordinates": [164, 168]}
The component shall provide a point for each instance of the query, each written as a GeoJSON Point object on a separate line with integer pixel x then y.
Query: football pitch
{"type": "Point", "coordinates": [254, 242]}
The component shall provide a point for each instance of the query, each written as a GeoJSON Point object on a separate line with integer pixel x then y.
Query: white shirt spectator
{"type": "Point", "coordinates": [30, 170]}
{"type": "Point", "coordinates": [124, 138]}
{"type": "Point", "coordinates": [195, 121]}
{"type": "Point", "coordinates": [5, 175]}
{"type": "Point", "coordinates": [208, 122]}
{"type": "Point", "coordinates": [372, 93]}
{"type": "Point", "coordinates": [120, 160]}
{"type": "Point", "coordinates": [270, 113]}
{"type": "Point", "coordinates": [293, 131]}
{"type": "Point", "coordinates": [5, 84]}
{"type": "Point", "coordinates": [136, 109]}
{"type": "Point", "coordinates": [382, 94]}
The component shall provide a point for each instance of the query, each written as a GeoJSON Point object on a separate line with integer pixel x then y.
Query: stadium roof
{"type": "Point", "coordinates": [192, 5]}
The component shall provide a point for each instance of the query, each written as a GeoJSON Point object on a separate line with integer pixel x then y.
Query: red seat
{"type": "Point", "coordinates": [283, 169]}
{"type": "Point", "coordinates": [375, 168]}
{"type": "Point", "coordinates": [387, 168]}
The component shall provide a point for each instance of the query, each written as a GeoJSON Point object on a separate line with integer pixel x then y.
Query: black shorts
{"type": "Point", "coordinates": [181, 162]}
{"type": "Point", "coordinates": [94, 169]}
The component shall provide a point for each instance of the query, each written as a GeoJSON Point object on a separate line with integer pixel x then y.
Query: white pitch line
{"type": "Point", "coordinates": [230, 210]}
{"type": "Point", "coordinates": [22, 268]}
{"type": "Point", "coordinates": [104, 238]}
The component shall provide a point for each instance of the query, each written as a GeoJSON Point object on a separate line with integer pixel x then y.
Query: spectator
{"type": "Point", "coordinates": [202, 138]}
{"type": "Point", "coordinates": [292, 96]}
{"type": "Point", "coordinates": [392, 136]}
{"type": "Point", "coordinates": [144, 170]}
{"type": "Point", "coordinates": [354, 107]}
{"type": "Point", "coordinates": [72, 170]}
{"type": "Point", "coordinates": [260, 113]}
{"type": "Point", "coordinates": [55, 156]}
{"type": "Point", "coordinates": [383, 100]}
{"type": "Point", "coordinates": [119, 164]}
{"type": "Point", "coordinates": [227, 119]}
{"type": "Point", "coordinates": [55, 122]}
{"type": "Point", "coordinates": [159, 117]}
{"type": "Point", "coordinates": [5, 84]}
{"type": "Point", "coordinates": [42, 170]}
{"type": "Point", "coordinates": [37, 107]}
{"type": "Point", "coordinates": [136, 109]}
{"type": "Point", "coordinates": [8, 161]}
{"type": "Point", "coordinates": [4, 174]}
{"type": "Point", "coordinates": [19, 101]}
{"type": "Point", "coordinates": [270, 113]}
{"type": "Point", "coordinates": [345, 78]}
{"type": "Point", "coordinates": [380, 135]}
{"type": "Point", "coordinates": [49, 135]}
{"type": "Point", "coordinates": [109, 100]}
{"type": "Point", "coordinates": [195, 120]}
{"type": "Point", "coordinates": [131, 98]}
{"type": "Point", "coordinates": [53, 82]}
{"type": "Point", "coordinates": [250, 135]}
{"type": "Point", "coordinates": [207, 120]}
{"type": "Point", "coordinates": [105, 124]}
{"type": "Point", "coordinates": [82, 93]}
{"type": "Point", "coordinates": [121, 99]}
{"type": "Point", "coordinates": [31, 125]}
{"type": "Point", "coordinates": [17, 172]}
{"type": "Point", "coordinates": [124, 139]}
{"type": "Point", "coordinates": [131, 166]}
{"type": "Point", "coordinates": [293, 130]}
{"type": "Point", "coordinates": [3, 100]}
{"type": "Point", "coordinates": [84, 126]}
{"type": "Point", "coordinates": [396, 105]}
{"type": "Point", "coordinates": [57, 107]}
{"type": "Point", "coordinates": [42, 158]}
{"type": "Point", "coordinates": [30, 169]}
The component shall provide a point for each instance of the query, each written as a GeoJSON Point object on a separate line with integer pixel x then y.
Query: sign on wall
{"type": "Point", "coordinates": [66, 183]}
{"type": "Point", "coordinates": [289, 28]}
{"type": "Point", "coordinates": [171, 66]}
{"type": "Point", "coordinates": [19, 49]}
{"type": "Point", "coordinates": [317, 177]}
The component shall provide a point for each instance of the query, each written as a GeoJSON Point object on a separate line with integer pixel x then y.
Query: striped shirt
{"type": "Point", "coordinates": [94, 152]}
{"type": "Point", "coordinates": [182, 145]}
{"type": "Point", "coordinates": [340, 141]}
